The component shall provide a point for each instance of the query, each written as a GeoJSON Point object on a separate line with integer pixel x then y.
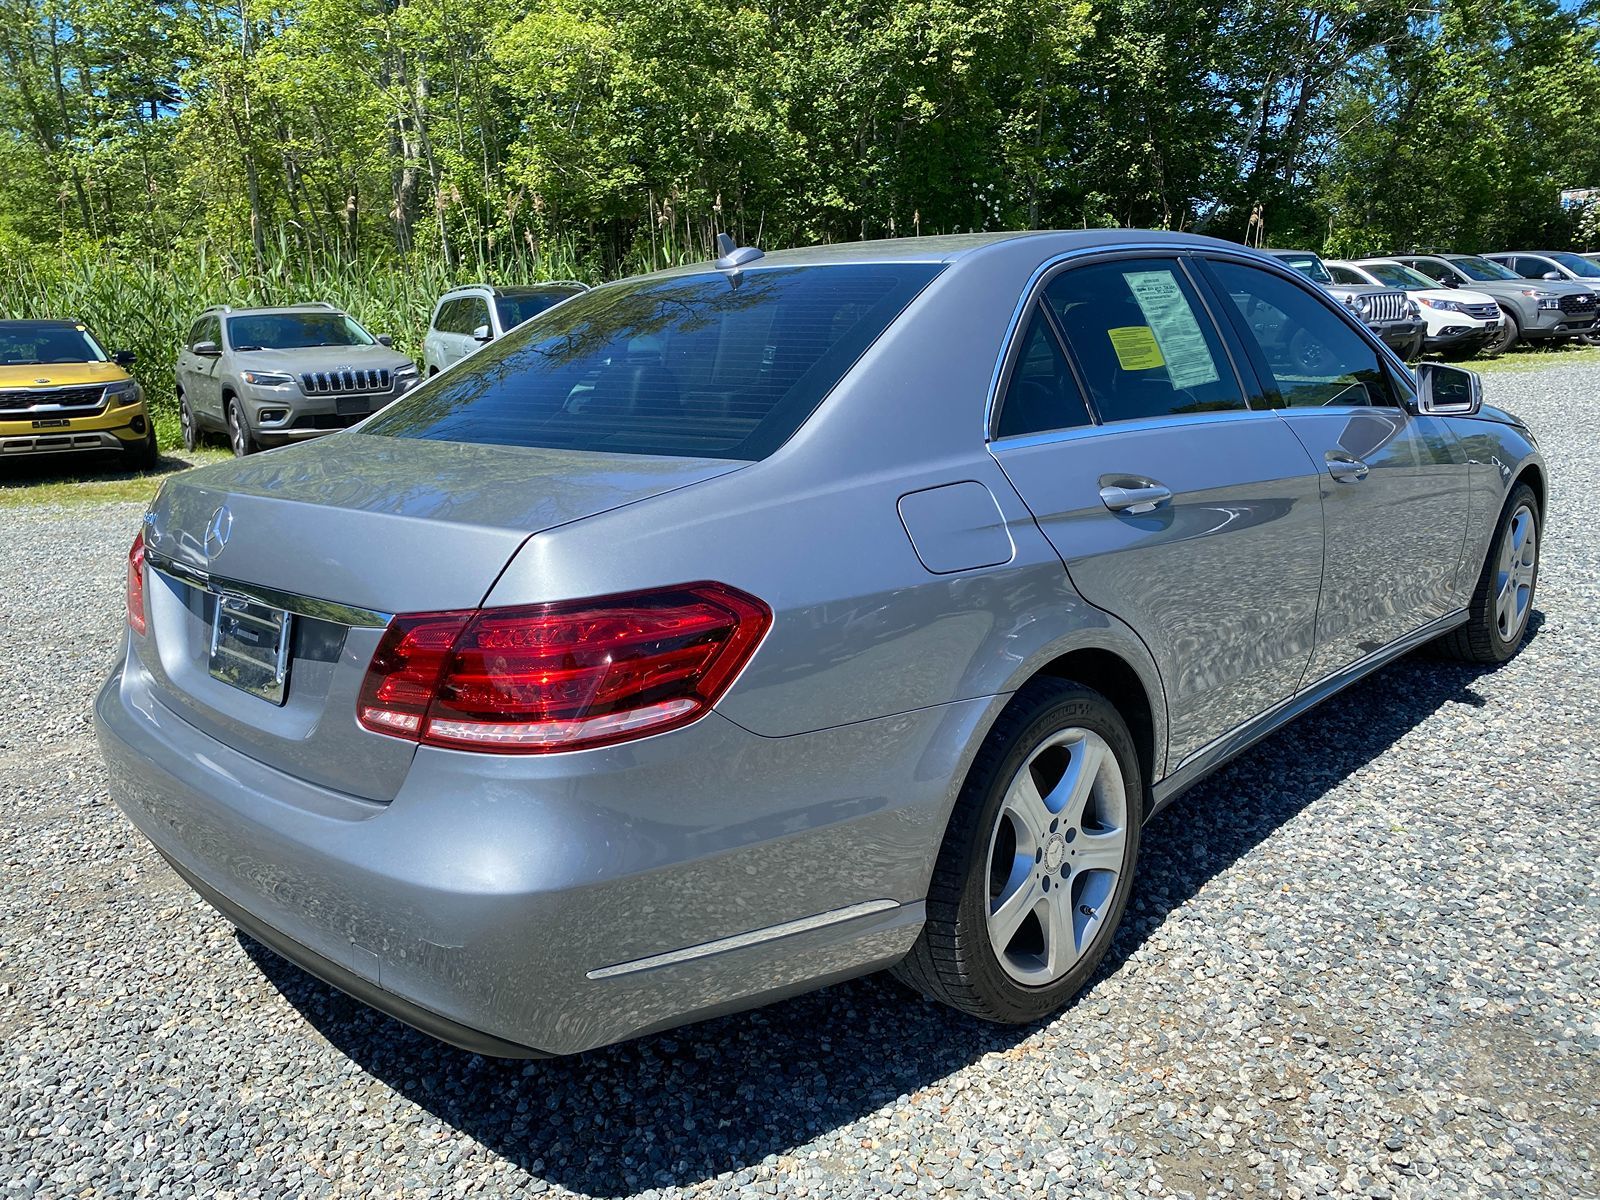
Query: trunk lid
{"type": "Point", "coordinates": [348, 523]}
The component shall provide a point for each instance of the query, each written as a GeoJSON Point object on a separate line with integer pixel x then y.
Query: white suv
{"type": "Point", "coordinates": [466, 318]}
{"type": "Point", "coordinates": [1457, 323]}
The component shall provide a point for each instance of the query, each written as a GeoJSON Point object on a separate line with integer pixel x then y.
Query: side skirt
{"type": "Point", "coordinates": [1208, 758]}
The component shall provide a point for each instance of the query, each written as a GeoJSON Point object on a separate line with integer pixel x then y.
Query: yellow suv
{"type": "Point", "coordinates": [61, 392]}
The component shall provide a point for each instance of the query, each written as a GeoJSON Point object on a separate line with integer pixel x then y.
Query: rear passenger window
{"type": "Point", "coordinates": [444, 321]}
{"type": "Point", "coordinates": [1143, 341]}
{"type": "Point", "coordinates": [1313, 357]}
{"type": "Point", "coordinates": [1042, 394]}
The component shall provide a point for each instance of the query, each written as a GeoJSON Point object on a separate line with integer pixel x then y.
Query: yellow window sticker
{"type": "Point", "coordinates": [1136, 347]}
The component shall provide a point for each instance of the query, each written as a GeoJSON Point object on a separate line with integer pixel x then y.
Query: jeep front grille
{"type": "Point", "coordinates": [1387, 306]}
{"type": "Point", "coordinates": [327, 383]}
{"type": "Point", "coordinates": [29, 399]}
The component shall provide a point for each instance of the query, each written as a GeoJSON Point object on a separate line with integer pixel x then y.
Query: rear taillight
{"type": "Point", "coordinates": [560, 676]}
{"type": "Point", "coordinates": [136, 584]}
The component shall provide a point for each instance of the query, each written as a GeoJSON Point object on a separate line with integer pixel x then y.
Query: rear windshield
{"type": "Point", "coordinates": [515, 309]}
{"type": "Point", "coordinates": [714, 365]}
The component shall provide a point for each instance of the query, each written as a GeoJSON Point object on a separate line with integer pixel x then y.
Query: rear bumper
{"type": "Point", "coordinates": [526, 906]}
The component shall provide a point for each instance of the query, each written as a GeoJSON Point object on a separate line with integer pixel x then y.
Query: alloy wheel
{"type": "Point", "coordinates": [186, 423]}
{"type": "Point", "coordinates": [1519, 562]}
{"type": "Point", "coordinates": [238, 435]}
{"type": "Point", "coordinates": [1056, 853]}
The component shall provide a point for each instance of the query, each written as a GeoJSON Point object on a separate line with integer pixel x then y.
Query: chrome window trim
{"type": "Point", "coordinates": [300, 606]}
{"type": "Point", "coordinates": [1049, 437]}
{"type": "Point", "coordinates": [1034, 289]}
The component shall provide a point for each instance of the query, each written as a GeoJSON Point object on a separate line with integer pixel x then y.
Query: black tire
{"type": "Point", "coordinates": [144, 455]}
{"type": "Point", "coordinates": [953, 960]}
{"type": "Point", "coordinates": [240, 438]}
{"type": "Point", "coordinates": [1510, 335]}
{"type": "Point", "coordinates": [1482, 639]}
{"type": "Point", "coordinates": [186, 424]}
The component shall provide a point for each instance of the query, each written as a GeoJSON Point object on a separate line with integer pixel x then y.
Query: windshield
{"type": "Point", "coordinates": [26, 344]}
{"type": "Point", "coordinates": [1577, 264]}
{"type": "Point", "coordinates": [709, 365]}
{"type": "Point", "coordinates": [1394, 275]}
{"type": "Point", "coordinates": [295, 331]}
{"type": "Point", "coordinates": [1482, 269]}
{"type": "Point", "coordinates": [1308, 265]}
{"type": "Point", "coordinates": [514, 310]}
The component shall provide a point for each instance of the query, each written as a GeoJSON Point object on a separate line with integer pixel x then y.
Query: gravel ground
{"type": "Point", "coordinates": [1362, 962]}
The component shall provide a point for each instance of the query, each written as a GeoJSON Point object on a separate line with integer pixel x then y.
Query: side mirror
{"type": "Point", "coordinates": [482, 334]}
{"type": "Point", "coordinates": [1448, 391]}
{"type": "Point", "coordinates": [124, 358]}
{"type": "Point", "coordinates": [207, 349]}
{"type": "Point", "coordinates": [385, 339]}
{"type": "Point", "coordinates": [1556, 275]}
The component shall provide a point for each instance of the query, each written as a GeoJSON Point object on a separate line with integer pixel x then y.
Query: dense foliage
{"type": "Point", "coordinates": [165, 153]}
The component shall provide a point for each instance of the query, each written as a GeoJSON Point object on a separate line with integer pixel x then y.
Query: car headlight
{"type": "Point", "coordinates": [267, 378]}
{"type": "Point", "coordinates": [409, 372]}
{"type": "Point", "coordinates": [124, 391]}
{"type": "Point", "coordinates": [1358, 304]}
{"type": "Point", "coordinates": [1441, 305]}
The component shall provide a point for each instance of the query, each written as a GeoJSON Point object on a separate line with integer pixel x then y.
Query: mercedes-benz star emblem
{"type": "Point", "coordinates": [218, 530]}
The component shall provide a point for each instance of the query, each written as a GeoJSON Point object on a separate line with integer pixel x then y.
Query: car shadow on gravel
{"type": "Point", "coordinates": [683, 1107]}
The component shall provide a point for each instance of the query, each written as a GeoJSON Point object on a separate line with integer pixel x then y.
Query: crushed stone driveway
{"type": "Point", "coordinates": [1361, 962]}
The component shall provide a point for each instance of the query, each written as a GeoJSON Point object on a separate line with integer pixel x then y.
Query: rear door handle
{"type": "Point", "coordinates": [1346, 468]}
{"type": "Point", "coordinates": [1146, 498]}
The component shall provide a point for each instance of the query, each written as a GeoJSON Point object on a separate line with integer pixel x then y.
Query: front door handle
{"type": "Point", "coordinates": [1142, 499]}
{"type": "Point", "coordinates": [1346, 468]}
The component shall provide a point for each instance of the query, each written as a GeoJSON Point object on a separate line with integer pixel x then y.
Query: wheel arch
{"type": "Point", "coordinates": [1120, 682]}
{"type": "Point", "coordinates": [1532, 474]}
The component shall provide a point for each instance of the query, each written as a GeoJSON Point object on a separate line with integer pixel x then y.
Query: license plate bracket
{"type": "Point", "coordinates": [250, 647]}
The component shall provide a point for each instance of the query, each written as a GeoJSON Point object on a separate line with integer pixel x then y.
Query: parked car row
{"type": "Point", "coordinates": [1457, 305]}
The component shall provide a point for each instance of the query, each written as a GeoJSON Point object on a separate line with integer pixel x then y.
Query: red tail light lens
{"type": "Point", "coordinates": [136, 584]}
{"type": "Point", "coordinates": [561, 676]}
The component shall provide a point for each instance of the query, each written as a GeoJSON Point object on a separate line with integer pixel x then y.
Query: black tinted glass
{"type": "Point", "coordinates": [1144, 342]}
{"type": "Point", "coordinates": [514, 310]}
{"type": "Point", "coordinates": [714, 365]}
{"type": "Point", "coordinates": [1042, 394]}
{"type": "Point", "coordinates": [294, 331]}
{"type": "Point", "coordinates": [1314, 358]}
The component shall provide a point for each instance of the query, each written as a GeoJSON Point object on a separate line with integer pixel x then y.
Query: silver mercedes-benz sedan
{"type": "Point", "coordinates": [729, 631]}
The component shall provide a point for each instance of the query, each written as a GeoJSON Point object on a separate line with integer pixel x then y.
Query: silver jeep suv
{"type": "Point", "coordinates": [269, 376]}
{"type": "Point", "coordinates": [1388, 312]}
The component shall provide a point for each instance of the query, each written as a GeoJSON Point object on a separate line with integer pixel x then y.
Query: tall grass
{"type": "Point", "coordinates": [148, 305]}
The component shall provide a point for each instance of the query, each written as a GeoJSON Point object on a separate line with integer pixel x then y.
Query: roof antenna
{"type": "Point", "coordinates": [732, 255]}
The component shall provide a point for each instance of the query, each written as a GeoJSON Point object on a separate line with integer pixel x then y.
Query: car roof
{"type": "Point", "coordinates": [952, 247]}
{"type": "Point", "coordinates": [1282, 252]}
{"type": "Point", "coordinates": [42, 323]}
{"type": "Point", "coordinates": [518, 289]}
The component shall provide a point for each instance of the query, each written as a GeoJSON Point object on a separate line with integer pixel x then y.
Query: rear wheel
{"type": "Point", "coordinates": [1038, 862]}
{"type": "Point", "coordinates": [191, 432]}
{"type": "Point", "coordinates": [1498, 616]}
{"type": "Point", "coordinates": [239, 436]}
